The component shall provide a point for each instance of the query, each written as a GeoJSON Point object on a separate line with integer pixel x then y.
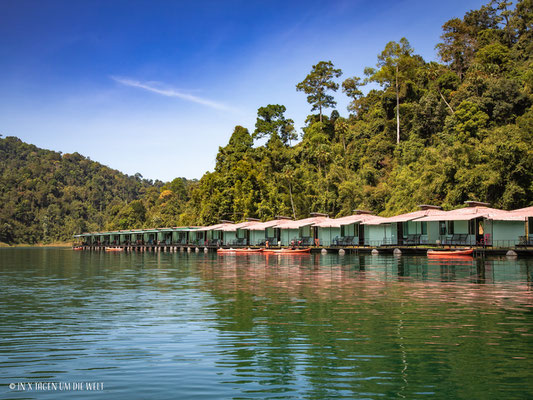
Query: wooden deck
{"type": "Point", "coordinates": [407, 250]}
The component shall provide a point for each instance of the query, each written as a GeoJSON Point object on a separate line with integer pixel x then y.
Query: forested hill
{"type": "Point", "coordinates": [431, 133]}
{"type": "Point", "coordinates": [426, 133]}
{"type": "Point", "coordinates": [48, 196]}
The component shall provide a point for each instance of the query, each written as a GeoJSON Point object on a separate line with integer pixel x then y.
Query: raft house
{"type": "Point", "coordinates": [486, 229]}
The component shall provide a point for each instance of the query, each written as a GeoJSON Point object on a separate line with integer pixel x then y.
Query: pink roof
{"type": "Point", "coordinates": [264, 225]}
{"type": "Point", "coordinates": [526, 212]}
{"type": "Point", "coordinates": [234, 227]}
{"type": "Point", "coordinates": [350, 219]}
{"type": "Point", "coordinates": [286, 224]}
{"type": "Point", "coordinates": [468, 213]}
{"type": "Point", "coordinates": [212, 227]}
{"type": "Point", "coordinates": [415, 215]}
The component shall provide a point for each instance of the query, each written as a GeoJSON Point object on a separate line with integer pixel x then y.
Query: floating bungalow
{"type": "Point", "coordinates": [527, 214]}
{"type": "Point", "coordinates": [403, 229]}
{"type": "Point", "coordinates": [476, 224]}
{"type": "Point", "coordinates": [261, 232]}
{"type": "Point", "coordinates": [299, 233]}
{"type": "Point", "coordinates": [345, 231]}
{"type": "Point", "coordinates": [237, 234]}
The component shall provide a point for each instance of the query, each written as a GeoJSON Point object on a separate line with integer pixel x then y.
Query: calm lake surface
{"type": "Point", "coordinates": [202, 326]}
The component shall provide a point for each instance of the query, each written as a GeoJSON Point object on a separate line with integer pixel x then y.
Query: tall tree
{"type": "Point", "coordinates": [317, 83]}
{"type": "Point", "coordinates": [271, 122]}
{"type": "Point", "coordinates": [351, 87]}
{"type": "Point", "coordinates": [458, 46]}
{"type": "Point", "coordinates": [239, 143]}
{"type": "Point", "coordinates": [394, 63]}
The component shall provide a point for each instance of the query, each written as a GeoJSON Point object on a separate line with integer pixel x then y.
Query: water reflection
{"type": "Point", "coordinates": [313, 326]}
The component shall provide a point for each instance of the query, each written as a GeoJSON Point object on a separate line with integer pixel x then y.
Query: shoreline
{"type": "Point", "coordinates": [54, 244]}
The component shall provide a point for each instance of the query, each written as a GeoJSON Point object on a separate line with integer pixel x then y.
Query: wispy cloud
{"type": "Point", "coordinates": [154, 87]}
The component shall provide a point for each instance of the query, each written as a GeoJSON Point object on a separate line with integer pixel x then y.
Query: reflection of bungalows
{"type": "Point", "coordinates": [476, 224]}
{"type": "Point", "coordinates": [344, 231]}
{"type": "Point", "coordinates": [300, 232]}
{"type": "Point", "coordinates": [403, 229]}
{"type": "Point", "coordinates": [259, 233]}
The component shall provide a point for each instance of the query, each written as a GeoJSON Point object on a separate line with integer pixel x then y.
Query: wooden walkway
{"type": "Point", "coordinates": [407, 250]}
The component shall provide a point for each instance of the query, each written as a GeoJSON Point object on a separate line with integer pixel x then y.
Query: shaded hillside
{"type": "Point", "coordinates": [47, 196]}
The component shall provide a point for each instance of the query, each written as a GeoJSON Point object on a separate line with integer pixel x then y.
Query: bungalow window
{"type": "Point", "coordinates": [450, 227]}
{"type": "Point", "coordinates": [342, 230]}
{"type": "Point", "coordinates": [530, 227]}
{"type": "Point", "coordinates": [424, 228]}
{"type": "Point", "coordinates": [405, 228]}
{"type": "Point", "coordinates": [442, 228]}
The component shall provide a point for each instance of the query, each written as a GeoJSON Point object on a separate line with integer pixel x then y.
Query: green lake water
{"type": "Point", "coordinates": [203, 326]}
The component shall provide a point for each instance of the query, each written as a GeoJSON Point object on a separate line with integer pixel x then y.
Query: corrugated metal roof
{"type": "Point", "coordinates": [264, 225]}
{"type": "Point", "coordinates": [468, 213]}
{"type": "Point", "coordinates": [213, 227]}
{"type": "Point", "coordinates": [342, 221]}
{"type": "Point", "coordinates": [285, 224]}
{"type": "Point", "coordinates": [525, 212]}
{"type": "Point", "coordinates": [415, 215]}
{"type": "Point", "coordinates": [234, 227]}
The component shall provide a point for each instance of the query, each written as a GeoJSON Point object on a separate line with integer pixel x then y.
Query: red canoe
{"type": "Point", "coordinates": [450, 253]}
{"type": "Point", "coordinates": [287, 251]}
{"type": "Point", "coordinates": [239, 251]}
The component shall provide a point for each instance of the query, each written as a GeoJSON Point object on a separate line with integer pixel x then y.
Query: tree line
{"type": "Point", "coordinates": [426, 133]}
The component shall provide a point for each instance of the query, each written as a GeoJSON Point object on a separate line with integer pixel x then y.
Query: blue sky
{"type": "Point", "coordinates": [157, 86]}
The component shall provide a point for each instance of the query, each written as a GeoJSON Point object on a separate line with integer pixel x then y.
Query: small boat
{"type": "Point", "coordinates": [77, 248]}
{"type": "Point", "coordinates": [114, 249]}
{"type": "Point", "coordinates": [239, 251]}
{"type": "Point", "coordinates": [450, 253]}
{"type": "Point", "coordinates": [287, 251]}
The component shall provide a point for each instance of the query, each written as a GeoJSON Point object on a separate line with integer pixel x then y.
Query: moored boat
{"type": "Point", "coordinates": [114, 249]}
{"type": "Point", "coordinates": [450, 253]}
{"type": "Point", "coordinates": [239, 251]}
{"type": "Point", "coordinates": [287, 251]}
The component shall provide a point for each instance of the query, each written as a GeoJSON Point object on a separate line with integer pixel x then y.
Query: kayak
{"type": "Point", "coordinates": [239, 251]}
{"type": "Point", "coordinates": [448, 253]}
{"type": "Point", "coordinates": [114, 249]}
{"type": "Point", "coordinates": [287, 251]}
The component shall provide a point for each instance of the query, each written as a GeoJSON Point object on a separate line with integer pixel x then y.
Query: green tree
{"type": "Point", "coordinates": [352, 88]}
{"type": "Point", "coordinates": [317, 83]}
{"type": "Point", "coordinates": [394, 66]}
{"type": "Point", "coordinates": [457, 47]}
{"type": "Point", "coordinates": [271, 122]}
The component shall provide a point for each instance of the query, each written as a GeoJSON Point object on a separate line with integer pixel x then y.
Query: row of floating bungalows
{"type": "Point", "coordinates": [475, 224]}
